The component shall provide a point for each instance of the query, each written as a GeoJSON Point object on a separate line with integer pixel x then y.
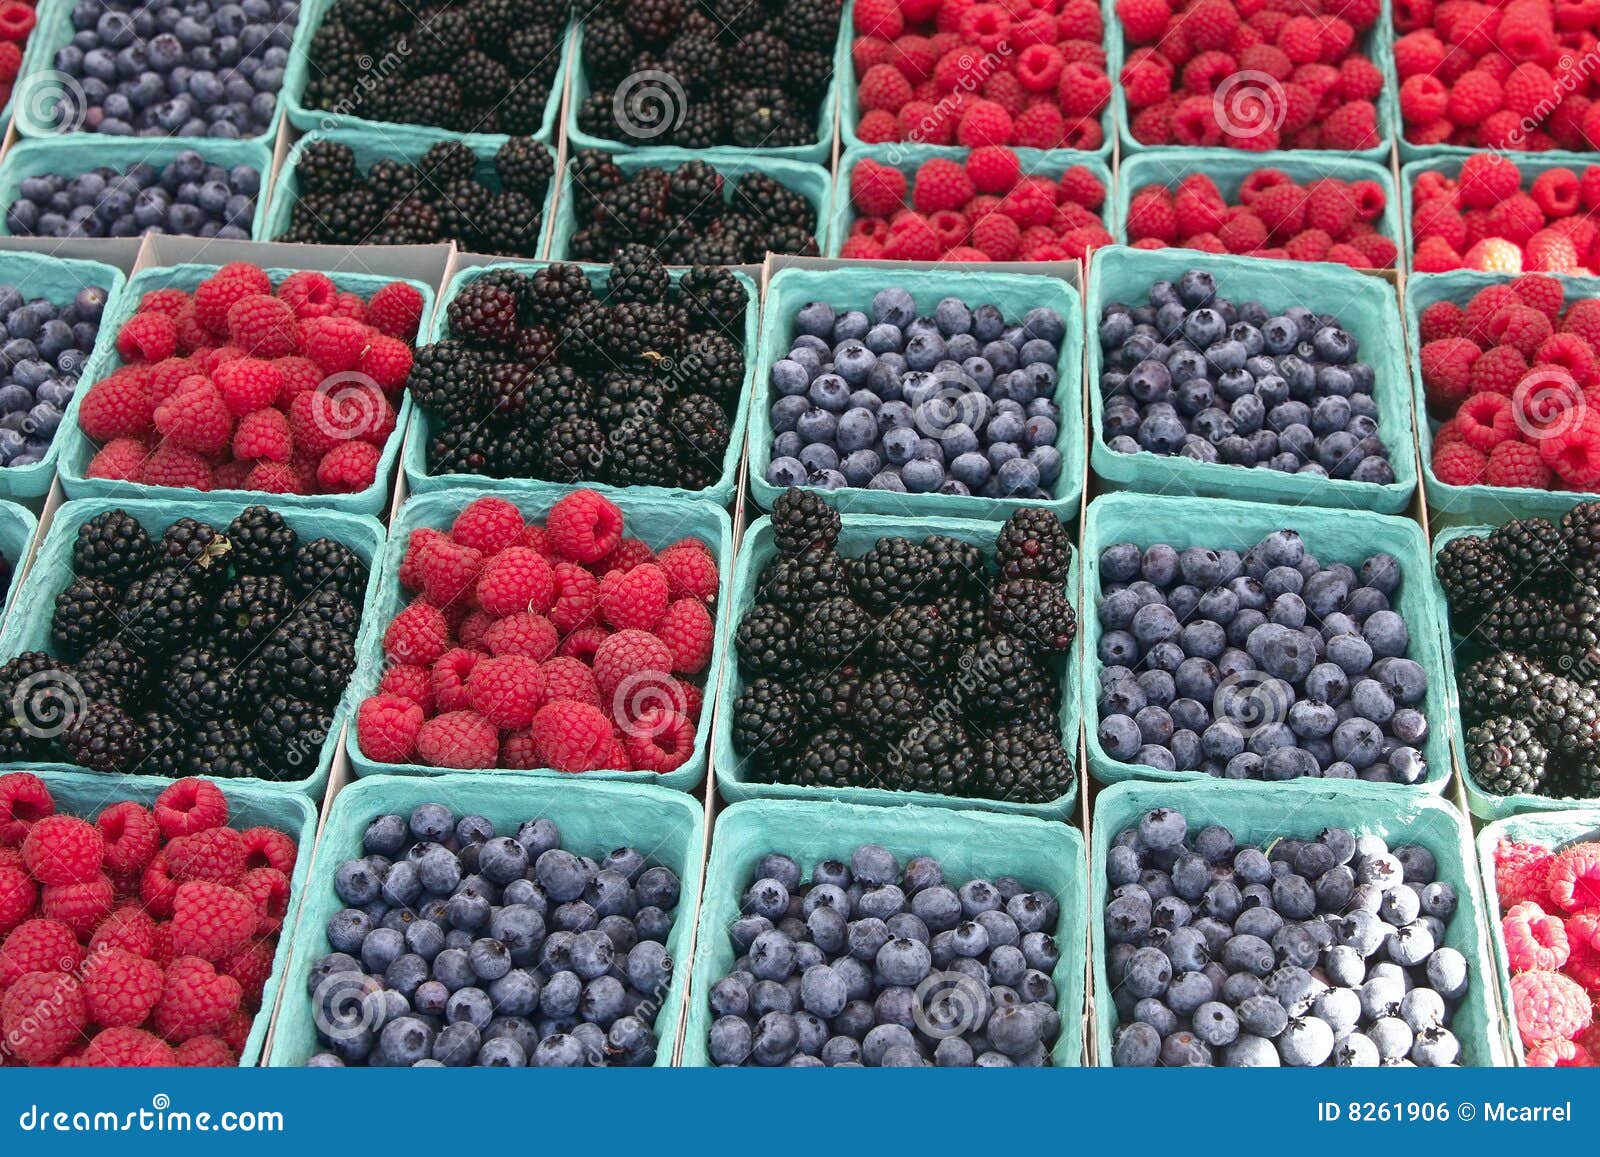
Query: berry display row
{"type": "Point", "coordinates": [1493, 214]}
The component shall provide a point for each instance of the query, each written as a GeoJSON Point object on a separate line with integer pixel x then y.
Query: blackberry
{"type": "Point", "coordinates": [534, 346]}
{"type": "Point", "coordinates": [112, 547]}
{"type": "Point", "coordinates": [716, 363]}
{"type": "Point", "coordinates": [370, 18]}
{"type": "Point", "coordinates": [893, 570]}
{"type": "Point", "coordinates": [768, 643]}
{"type": "Point", "coordinates": [889, 702]}
{"type": "Point", "coordinates": [1033, 544]}
{"type": "Point", "coordinates": [448, 161]}
{"type": "Point", "coordinates": [468, 451]}
{"type": "Point", "coordinates": [408, 221]}
{"type": "Point", "coordinates": [1036, 612]}
{"type": "Point", "coordinates": [652, 333]}
{"type": "Point", "coordinates": [166, 743]}
{"type": "Point", "coordinates": [1580, 530]}
{"type": "Point", "coordinates": [967, 616]}
{"type": "Point", "coordinates": [703, 126]}
{"type": "Point", "coordinates": [608, 50]}
{"type": "Point", "coordinates": [1504, 757]}
{"type": "Point", "coordinates": [1575, 624]}
{"type": "Point", "coordinates": [586, 334]}
{"type": "Point", "coordinates": [954, 566]}
{"type": "Point", "coordinates": [801, 520]}
{"type": "Point", "coordinates": [622, 392]}
{"type": "Point", "coordinates": [485, 313]}
{"type": "Point", "coordinates": [327, 167]}
{"type": "Point", "coordinates": [441, 37]}
{"type": "Point", "coordinates": [762, 58]}
{"type": "Point", "coordinates": [791, 582]}
{"type": "Point", "coordinates": [831, 758]}
{"type": "Point", "coordinates": [223, 748]}
{"type": "Point", "coordinates": [654, 20]}
{"type": "Point", "coordinates": [524, 166]}
{"type": "Point", "coordinates": [998, 678]}
{"type": "Point", "coordinates": [395, 181]}
{"type": "Point", "coordinates": [767, 199]}
{"type": "Point", "coordinates": [85, 612]}
{"type": "Point", "coordinates": [766, 719]}
{"type": "Point", "coordinates": [641, 452]}
{"type": "Point", "coordinates": [799, 240]}
{"type": "Point", "coordinates": [594, 174]}
{"type": "Point", "coordinates": [113, 671]}
{"type": "Point", "coordinates": [290, 733]}
{"type": "Point", "coordinates": [310, 659]}
{"type": "Point", "coordinates": [463, 207]}
{"type": "Point", "coordinates": [557, 291]}
{"type": "Point", "coordinates": [766, 118]}
{"type": "Point", "coordinates": [249, 611]}
{"type": "Point", "coordinates": [521, 111]}
{"type": "Point", "coordinates": [827, 698]}
{"type": "Point", "coordinates": [511, 224]}
{"type": "Point", "coordinates": [494, 20]}
{"type": "Point", "coordinates": [696, 58]}
{"type": "Point", "coordinates": [1519, 623]}
{"type": "Point", "coordinates": [1567, 716]}
{"type": "Point", "coordinates": [574, 450]}
{"type": "Point", "coordinates": [555, 393]}
{"type": "Point", "coordinates": [105, 738]}
{"type": "Point", "coordinates": [694, 192]}
{"type": "Point", "coordinates": [935, 755]}
{"type": "Point", "coordinates": [834, 629]}
{"type": "Point", "coordinates": [1535, 549]}
{"type": "Point", "coordinates": [198, 549]}
{"type": "Point", "coordinates": [164, 610]}
{"type": "Point", "coordinates": [702, 430]}
{"type": "Point", "coordinates": [809, 25]}
{"type": "Point", "coordinates": [915, 637]}
{"type": "Point", "coordinates": [441, 371]}
{"type": "Point", "coordinates": [534, 53]}
{"type": "Point", "coordinates": [1500, 684]}
{"type": "Point", "coordinates": [637, 275]}
{"type": "Point", "coordinates": [325, 564]}
{"type": "Point", "coordinates": [199, 684]}
{"type": "Point", "coordinates": [482, 78]}
{"type": "Point", "coordinates": [435, 100]}
{"type": "Point", "coordinates": [262, 542]}
{"type": "Point", "coordinates": [1024, 763]}
{"type": "Point", "coordinates": [715, 299]}
{"type": "Point", "coordinates": [1473, 575]}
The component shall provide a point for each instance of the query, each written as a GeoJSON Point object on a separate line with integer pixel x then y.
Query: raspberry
{"type": "Point", "coordinates": [126, 1047]}
{"type": "Point", "coordinates": [1494, 255]}
{"type": "Point", "coordinates": [309, 294]}
{"type": "Point", "coordinates": [570, 679]}
{"type": "Point", "coordinates": [263, 435]}
{"type": "Point", "coordinates": [204, 1052]}
{"type": "Point", "coordinates": [62, 849]}
{"type": "Point", "coordinates": [1083, 90]}
{"type": "Point", "coordinates": [629, 553]}
{"type": "Point", "coordinates": [660, 740]}
{"type": "Point", "coordinates": [274, 478]}
{"type": "Point", "coordinates": [418, 634]}
{"type": "Point", "coordinates": [1434, 255]}
{"type": "Point", "coordinates": [147, 337]}
{"type": "Point", "coordinates": [584, 526]}
{"type": "Point", "coordinates": [387, 727]}
{"type": "Point", "coordinates": [1143, 20]}
{"type": "Point", "coordinates": [17, 898]}
{"type": "Point", "coordinates": [983, 123]}
{"type": "Point", "coordinates": [506, 690]}
{"type": "Point", "coordinates": [460, 739]}
{"type": "Point", "coordinates": [157, 889]}
{"type": "Point", "coordinates": [1533, 939]}
{"type": "Point", "coordinates": [1487, 179]}
{"type": "Point", "coordinates": [1521, 872]}
{"type": "Point", "coordinates": [1549, 1006]}
{"type": "Point", "coordinates": [43, 1015]}
{"type": "Point", "coordinates": [24, 800]}
{"type": "Point", "coordinates": [448, 678]}
{"type": "Point", "coordinates": [215, 296]}
{"type": "Point", "coordinates": [1486, 420]}
{"type": "Point", "coordinates": [517, 579]}
{"type": "Point", "coordinates": [1151, 215]}
{"type": "Point", "coordinates": [635, 598]}
{"type": "Point", "coordinates": [1353, 127]}
{"type": "Point", "coordinates": [39, 945]}
{"type": "Point", "coordinates": [1574, 455]}
{"type": "Point", "coordinates": [883, 86]}
{"type": "Point", "coordinates": [196, 1000]}
{"type": "Point", "coordinates": [212, 921]}
{"type": "Point", "coordinates": [583, 643]}
{"type": "Point", "coordinates": [267, 889]}
{"type": "Point", "coordinates": [997, 237]}
{"type": "Point", "coordinates": [628, 653]}
{"type": "Point", "coordinates": [1517, 464]}
{"type": "Point", "coordinates": [120, 988]}
{"type": "Point", "coordinates": [119, 406]}
{"type": "Point", "coordinates": [170, 301]}
{"type": "Point", "coordinates": [1541, 293]}
{"type": "Point", "coordinates": [334, 344]}
{"type": "Point", "coordinates": [349, 468]}
{"type": "Point", "coordinates": [195, 418]}
{"type": "Point", "coordinates": [1516, 219]}
{"type": "Point", "coordinates": [1039, 67]}
{"type": "Point", "coordinates": [571, 736]}
{"type": "Point", "coordinates": [577, 593]}
{"type": "Point", "coordinates": [877, 189]}
{"type": "Point", "coordinates": [688, 631]}
{"type": "Point", "coordinates": [1569, 352]}
{"type": "Point", "coordinates": [129, 928]}
{"type": "Point", "coordinates": [1446, 367]}
{"type": "Point", "coordinates": [1583, 320]}
{"type": "Point", "coordinates": [1424, 99]}
{"type": "Point", "coordinates": [993, 169]}
{"type": "Point", "coordinates": [263, 325]}
{"type": "Point", "coordinates": [190, 805]}
{"type": "Point", "coordinates": [394, 311]}
{"type": "Point", "coordinates": [1458, 464]}
{"type": "Point", "coordinates": [1574, 881]}
{"type": "Point", "coordinates": [216, 855]}
{"type": "Point", "coordinates": [248, 384]}
{"type": "Point", "coordinates": [1522, 328]}
{"type": "Point", "coordinates": [489, 525]}
{"type": "Point", "coordinates": [1526, 31]}
{"type": "Point", "coordinates": [1559, 1054]}
{"type": "Point", "coordinates": [447, 570]}
{"type": "Point", "coordinates": [941, 184]}
{"type": "Point", "coordinates": [79, 906]}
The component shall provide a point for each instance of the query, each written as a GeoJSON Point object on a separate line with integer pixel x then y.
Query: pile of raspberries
{"type": "Point", "coordinates": [562, 646]}
{"type": "Point", "coordinates": [240, 386]}
{"type": "Point", "coordinates": [140, 938]}
{"type": "Point", "coordinates": [1551, 928]}
{"type": "Point", "coordinates": [980, 209]}
{"type": "Point", "coordinates": [954, 72]}
{"type": "Point", "coordinates": [1515, 379]}
{"type": "Point", "coordinates": [1512, 76]}
{"type": "Point", "coordinates": [16, 24]}
{"type": "Point", "coordinates": [1485, 220]}
{"type": "Point", "coordinates": [1325, 219]}
{"type": "Point", "coordinates": [1255, 75]}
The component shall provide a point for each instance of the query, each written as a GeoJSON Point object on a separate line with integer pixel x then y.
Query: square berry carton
{"type": "Point", "coordinates": [737, 777]}
{"type": "Point", "coordinates": [18, 527]}
{"type": "Point", "coordinates": [85, 795]}
{"type": "Point", "coordinates": [78, 449]}
{"type": "Point", "coordinates": [1042, 856]}
{"type": "Point", "coordinates": [1553, 830]}
{"type": "Point", "coordinates": [414, 457]}
{"type": "Point", "coordinates": [1366, 307]}
{"type": "Point", "coordinates": [668, 827]}
{"type": "Point", "coordinates": [657, 521]}
{"type": "Point", "coordinates": [851, 286]}
{"type": "Point", "coordinates": [1301, 810]}
{"type": "Point", "coordinates": [30, 628]}
{"type": "Point", "coordinates": [1249, 697]}
{"type": "Point", "coordinates": [60, 280]}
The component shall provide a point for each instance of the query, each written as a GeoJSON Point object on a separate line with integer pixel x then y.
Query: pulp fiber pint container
{"type": "Point", "coordinates": [852, 287]}
{"type": "Point", "coordinates": [658, 521]}
{"type": "Point", "coordinates": [29, 628]}
{"type": "Point", "coordinates": [1301, 809]}
{"type": "Point", "coordinates": [1366, 307]}
{"type": "Point", "coordinates": [403, 143]}
{"type": "Point", "coordinates": [1346, 536]}
{"type": "Point", "coordinates": [1229, 167]}
{"type": "Point", "coordinates": [1450, 505]}
{"type": "Point", "coordinates": [250, 804]}
{"type": "Point", "coordinates": [1554, 830]}
{"type": "Point", "coordinates": [78, 450]}
{"type": "Point", "coordinates": [17, 528]}
{"type": "Point", "coordinates": [908, 157]}
{"type": "Point", "coordinates": [736, 779]}
{"type": "Point", "coordinates": [1486, 805]}
{"type": "Point", "coordinates": [76, 154]}
{"type": "Point", "coordinates": [660, 101]}
{"type": "Point", "coordinates": [414, 458]}
{"type": "Point", "coordinates": [1045, 857]}
{"type": "Point", "coordinates": [59, 279]}
{"type": "Point", "coordinates": [811, 181]}
{"type": "Point", "coordinates": [668, 827]}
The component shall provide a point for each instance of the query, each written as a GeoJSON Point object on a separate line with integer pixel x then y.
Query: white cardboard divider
{"type": "Point", "coordinates": [122, 252]}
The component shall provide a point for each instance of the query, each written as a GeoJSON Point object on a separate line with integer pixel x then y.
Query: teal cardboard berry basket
{"type": "Point", "coordinates": [58, 279]}
{"type": "Point", "coordinates": [87, 794]}
{"type": "Point", "coordinates": [76, 154]}
{"type": "Point", "coordinates": [77, 450]}
{"type": "Point", "coordinates": [658, 521]}
{"type": "Point", "coordinates": [29, 628]}
{"type": "Point", "coordinates": [1229, 167]}
{"type": "Point", "coordinates": [854, 288]}
{"type": "Point", "coordinates": [1044, 857]}
{"type": "Point", "coordinates": [736, 779]}
{"type": "Point", "coordinates": [1549, 829]}
{"type": "Point", "coordinates": [414, 458]}
{"type": "Point", "coordinates": [1301, 809]}
{"type": "Point", "coordinates": [907, 158]}
{"type": "Point", "coordinates": [17, 528]}
{"type": "Point", "coordinates": [667, 827]}
{"type": "Point", "coordinates": [403, 143]}
{"type": "Point", "coordinates": [660, 103]}
{"type": "Point", "coordinates": [811, 181]}
{"type": "Point", "coordinates": [1366, 307]}
{"type": "Point", "coordinates": [1345, 536]}
{"type": "Point", "coordinates": [1480, 505]}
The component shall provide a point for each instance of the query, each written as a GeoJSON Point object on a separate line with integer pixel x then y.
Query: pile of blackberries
{"type": "Point", "coordinates": [545, 377]}
{"type": "Point", "coordinates": [187, 197]}
{"type": "Point", "coordinates": [443, 197]}
{"type": "Point", "coordinates": [45, 347]}
{"type": "Point", "coordinates": [691, 215]}
{"type": "Point", "coordinates": [697, 73]}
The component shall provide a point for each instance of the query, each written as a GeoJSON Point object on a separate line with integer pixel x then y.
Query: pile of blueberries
{"type": "Point", "coordinates": [186, 196]}
{"type": "Point", "coordinates": [871, 963]}
{"type": "Point", "coordinates": [203, 68]}
{"type": "Point", "coordinates": [1194, 374]}
{"type": "Point", "coordinates": [1267, 665]}
{"type": "Point", "coordinates": [1327, 951]}
{"type": "Point", "coordinates": [460, 947]}
{"type": "Point", "coordinates": [44, 350]}
{"type": "Point", "coordinates": [958, 403]}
